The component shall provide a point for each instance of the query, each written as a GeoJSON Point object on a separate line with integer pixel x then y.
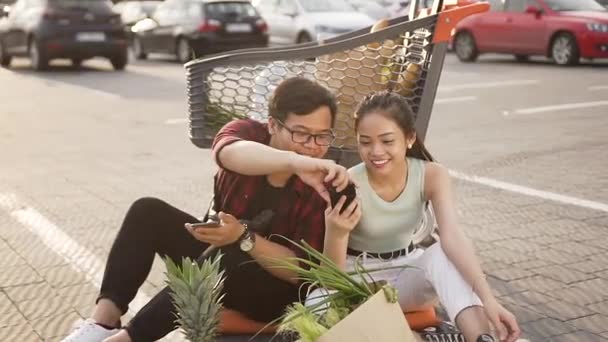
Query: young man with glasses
{"type": "Point", "coordinates": [273, 167]}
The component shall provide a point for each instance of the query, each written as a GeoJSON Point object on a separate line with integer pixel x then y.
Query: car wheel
{"type": "Point", "coordinates": [304, 38]}
{"type": "Point", "coordinates": [5, 59]}
{"type": "Point", "coordinates": [138, 49]}
{"type": "Point", "coordinates": [76, 63]}
{"type": "Point", "coordinates": [465, 47]}
{"type": "Point", "coordinates": [38, 56]}
{"type": "Point", "coordinates": [522, 58]}
{"type": "Point", "coordinates": [564, 49]}
{"type": "Point", "coordinates": [119, 62]}
{"type": "Point", "coordinates": [183, 51]}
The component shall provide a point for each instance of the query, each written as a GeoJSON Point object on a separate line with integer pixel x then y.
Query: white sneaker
{"type": "Point", "coordinates": [89, 331]}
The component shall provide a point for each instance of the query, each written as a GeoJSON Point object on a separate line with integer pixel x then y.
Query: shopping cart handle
{"type": "Point", "coordinates": [448, 19]}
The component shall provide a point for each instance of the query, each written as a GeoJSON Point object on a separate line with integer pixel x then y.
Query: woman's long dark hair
{"type": "Point", "coordinates": [395, 107]}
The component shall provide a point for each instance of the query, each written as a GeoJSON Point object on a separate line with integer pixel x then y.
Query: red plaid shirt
{"type": "Point", "coordinates": [300, 211]}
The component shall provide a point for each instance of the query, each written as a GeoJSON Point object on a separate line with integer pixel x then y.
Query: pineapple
{"type": "Point", "coordinates": [196, 291]}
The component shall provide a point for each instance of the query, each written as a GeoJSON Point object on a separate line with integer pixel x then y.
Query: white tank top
{"type": "Point", "coordinates": [388, 226]}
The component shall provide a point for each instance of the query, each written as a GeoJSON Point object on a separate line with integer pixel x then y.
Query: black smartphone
{"type": "Point", "coordinates": [208, 224]}
{"type": "Point", "coordinates": [350, 192]}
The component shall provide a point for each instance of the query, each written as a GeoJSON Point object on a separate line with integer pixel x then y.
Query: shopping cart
{"type": "Point", "coordinates": [406, 56]}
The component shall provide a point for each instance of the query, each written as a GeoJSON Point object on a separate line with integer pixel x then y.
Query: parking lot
{"type": "Point", "coordinates": [526, 144]}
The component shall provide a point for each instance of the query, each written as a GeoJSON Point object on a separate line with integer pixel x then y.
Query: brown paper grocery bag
{"type": "Point", "coordinates": [376, 320]}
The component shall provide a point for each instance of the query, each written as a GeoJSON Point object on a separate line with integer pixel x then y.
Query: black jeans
{"type": "Point", "coordinates": [151, 227]}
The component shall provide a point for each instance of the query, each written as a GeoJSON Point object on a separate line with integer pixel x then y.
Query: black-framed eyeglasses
{"type": "Point", "coordinates": [301, 137]}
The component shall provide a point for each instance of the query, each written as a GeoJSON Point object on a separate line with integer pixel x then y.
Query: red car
{"type": "Point", "coordinates": [564, 30]}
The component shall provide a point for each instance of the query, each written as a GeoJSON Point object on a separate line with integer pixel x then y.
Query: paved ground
{"type": "Point", "coordinates": [77, 147]}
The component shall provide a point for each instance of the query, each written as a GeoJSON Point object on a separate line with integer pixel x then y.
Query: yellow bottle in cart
{"type": "Point", "coordinates": [396, 73]}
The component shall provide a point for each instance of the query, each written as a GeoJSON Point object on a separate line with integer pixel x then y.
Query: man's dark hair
{"type": "Point", "coordinates": [300, 96]}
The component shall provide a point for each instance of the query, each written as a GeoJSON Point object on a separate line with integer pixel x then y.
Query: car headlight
{"type": "Point", "coordinates": [597, 27]}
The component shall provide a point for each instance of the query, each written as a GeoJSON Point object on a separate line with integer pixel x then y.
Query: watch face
{"type": "Point", "coordinates": [246, 245]}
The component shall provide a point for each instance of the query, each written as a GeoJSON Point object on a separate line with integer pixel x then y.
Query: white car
{"type": "Point", "coordinates": [301, 21]}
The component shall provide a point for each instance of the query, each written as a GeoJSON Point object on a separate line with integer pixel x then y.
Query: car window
{"type": "Point", "coordinates": [578, 5]}
{"type": "Point", "coordinates": [195, 10]}
{"type": "Point", "coordinates": [223, 9]}
{"type": "Point", "coordinates": [515, 6]}
{"type": "Point", "coordinates": [288, 6]}
{"type": "Point", "coordinates": [326, 6]}
{"type": "Point", "coordinates": [496, 5]}
{"type": "Point", "coordinates": [266, 5]}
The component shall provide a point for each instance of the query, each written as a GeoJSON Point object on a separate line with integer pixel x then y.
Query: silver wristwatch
{"type": "Point", "coordinates": [247, 240]}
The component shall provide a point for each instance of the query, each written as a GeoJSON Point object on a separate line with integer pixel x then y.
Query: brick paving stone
{"type": "Point", "coordinates": [519, 245]}
{"type": "Point", "coordinates": [601, 307]}
{"type": "Point", "coordinates": [524, 314]}
{"type": "Point", "coordinates": [546, 240]}
{"type": "Point", "coordinates": [508, 274]}
{"type": "Point", "coordinates": [598, 285]}
{"type": "Point", "coordinates": [32, 291]}
{"type": "Point", "coordinates": [8, 258]}
{"type": "Point", "coordinates": [596, 324]}
{"type": "Point", "coordinates": [62, 276]}
{"type": "Point", "coordinates": [556, 256]}
{"type": "Point", "coordinates": [11, 317]}
{"type": "Point", "coordinates": [578, 336]}
{"type": "Point", "coordinates": [577, 248]}
{"type": "Point", "coordinates": [40, 308]}
{"type": "Point", "coordinates": [592, 264]}
{"type": "Point", "coordinates": [502, 288]}
{"type": "Point", "coordinates": [548, 327]}
{"type": "Point", "coordinates": [577, 295]}
{"type": "Point", "coordinates": [505, 255]}
{"type": "Point", "coordinates": [562, 274]}
{"type": "Point", "coordinates": [561, 310]}
{"type": "Point", "coordinates": [18, 275]}
{"type": "Point", "coordinates": [78, 289]}
{"type": "Point", "coordinates": [537, 283]}
{"type": "Point", "coordinates": [21, 333]}
{"type": "Point", "coordinates": [57, 325]}
{"type": "Point", "coordinates": [531, 264]}
{"type": "Point", "coordinates": [529, 298]}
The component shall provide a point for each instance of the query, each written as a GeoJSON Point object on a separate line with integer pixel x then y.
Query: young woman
{"type": "Point", "coordinates": [392, 191]}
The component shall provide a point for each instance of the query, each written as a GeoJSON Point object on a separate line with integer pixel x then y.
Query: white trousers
{"type": "Point", "coordinates": [428, 276]}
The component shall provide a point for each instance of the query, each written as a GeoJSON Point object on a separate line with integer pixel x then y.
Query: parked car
{"type": "Point", "coordinates": [76, 29]}
{"type": "Point", "coordinates": [133, 11]}
{"type": "Point", "coordinates": [300, 21]}
{"type": "Point", "coordinates": [564, 30]}
{"type": "Point", "coordinates": [190, 28]}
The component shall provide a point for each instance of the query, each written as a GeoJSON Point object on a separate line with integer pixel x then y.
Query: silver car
{"type": "Point", "coordinates": [300, 21]}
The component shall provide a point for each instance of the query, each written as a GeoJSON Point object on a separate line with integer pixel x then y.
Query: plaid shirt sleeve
{"type": "Point", "coordinates": [238, 130]}
{"type": "Point", "coordinates": [311, 225]}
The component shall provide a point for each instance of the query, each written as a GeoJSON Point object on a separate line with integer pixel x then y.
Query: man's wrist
{"type": "Point", "coordinates": [293, 161]}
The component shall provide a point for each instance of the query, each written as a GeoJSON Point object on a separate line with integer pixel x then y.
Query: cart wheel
{"type": "Point", "coordinates": [183, 50]}
{"type": "Point", "coordinates": [304, 38]}
{"type": "Point", "coordinates": [5, 59]}
{"type": "Point", "coordinates": [119, 62]}
{"type": "Point", "coordinates": [138, 49]}
{"type": "Point", "coordinates": [38, 56]}
{"type": "Point", "coordinates": [465, 47]}
{"type": "Point", "coordinates": [564, 49]}
{"type": "Point", "coordinates": [76, 63]}
{"type": "Point", "coordinates": [522, 58]}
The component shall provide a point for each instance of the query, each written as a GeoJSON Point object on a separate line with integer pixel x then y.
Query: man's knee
{"type": "Point", "coordinates": [147, 205]}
